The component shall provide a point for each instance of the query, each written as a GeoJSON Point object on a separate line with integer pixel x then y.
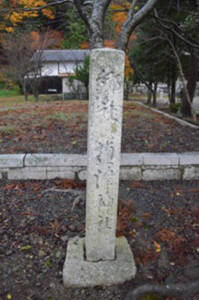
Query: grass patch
{"type": "Point", "coordinates": [9, 93]}
{"type": "Point", "coordinates": [9, 102]}
{"type": "Point", "coordinates": [138, 113]}
{"type": "Point", "coordinates": [7, 129]}
{"type": "Point", "coordinates": [58, 116]}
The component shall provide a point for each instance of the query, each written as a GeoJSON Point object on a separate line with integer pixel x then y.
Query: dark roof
{"type": "Point", "coordinates": [64, 55]}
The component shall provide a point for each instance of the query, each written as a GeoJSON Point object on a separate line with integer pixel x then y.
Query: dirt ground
{"type": "Point", "coordinates": [61, 127]}
{"type": "Point", "coordinates": [159, 219]}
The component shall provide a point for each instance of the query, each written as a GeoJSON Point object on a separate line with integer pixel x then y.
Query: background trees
{"type": "Point", "coordinates": [23, 51]}
{"type": "Point", "coordinates": [169, 26]}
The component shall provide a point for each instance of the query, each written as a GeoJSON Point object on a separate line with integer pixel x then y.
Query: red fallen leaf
{"type": "Point", "coordinates": [36, 186]}
{"type": "Point", "coordinates": [129, 205]}
{"type": "Point", "coordinates": [10, 186]}
{"type": "Point", "coordinates": [41, 230]}
{"type": "Point", "coordinates": [165, 235]}
{"type": "Point", "coordinates": [195, 243]}
{"type": "Point", "coordinates": [178, 243]}
{"type": "Point", "coordinates": [148, 255]}
{"type": "Point", "coordinates": [55, 227]}
{"type": "Point", "coordinates": [19, 186]}
{"type": "Point", "coordinates": [196, 190]}
{"type": "Point", "coordinates": [123, 220]}
{"type": "Point", "coordinates": [195, 212]}
{"type": "Point", "coordinates": [146, 215]}
{"type": "Point", "coordinates": [178, 252]}
{"type": "Point", "coordinates": [136, 184]}
{"type": "Point", "coordinates": [71, 184]}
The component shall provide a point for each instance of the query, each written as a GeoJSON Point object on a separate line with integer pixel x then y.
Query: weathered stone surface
{"type": "Point", "coordinates": [189, 158]}
{"type": "Point", "coordinates": [191, 173]}
{"type": "Point", "coordinates": [104, 143]}
{"type": "Point", "coordinates": [130, 173]}
{"type": "Point", "coordinates": [61, 172]}
{"type": "Point", "coordinates": [169, 159]}
{"type": "Point", "coordinates": [132, 159]}
{"type": "Point", "coordinates": [81, 273]}
{"type": "Point", "coordinates": [27, 173]}
{"type": "Point", "coordinates": [126, 173]}
{"type": "Point", "coordinates": [55, 160]}
{"type": "Point", "coordinates": [11, 160]}
{"type": "Point", "coordinates": [3, 171]}
{"type": "Point", "coordinates": [130, 166]}
{"type": "Point", "coordinates": [82, 175]}
{"type": "Point", "coordinates": [161, 174]}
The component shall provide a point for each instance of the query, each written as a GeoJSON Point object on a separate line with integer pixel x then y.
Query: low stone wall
{"type": "Point", "coordinates": [135, 166]}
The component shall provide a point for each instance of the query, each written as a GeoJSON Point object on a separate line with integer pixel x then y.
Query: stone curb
{"type": "Point", "coordinates": [11, 160]}
{"type": "Point", "coordinates": [54, 160]}
{"type": "Point", "coordinates": [181, 122]}
{"type": "Point", "coordinates": [134, 166]}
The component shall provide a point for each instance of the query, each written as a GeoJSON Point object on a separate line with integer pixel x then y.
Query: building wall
{"type": "Point", "coordinates": [58, 68]}
{"type": "Point", "coordinates": [49, 69]}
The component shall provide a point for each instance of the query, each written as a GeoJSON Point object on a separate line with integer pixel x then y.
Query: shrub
{"type": "Point", "coordinates": [174, 107]}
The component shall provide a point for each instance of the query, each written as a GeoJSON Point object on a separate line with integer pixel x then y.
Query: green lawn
{"type": "Point", "coordinates": [11, 99]}
{"type": "Point", "coordinates": [8, 93]}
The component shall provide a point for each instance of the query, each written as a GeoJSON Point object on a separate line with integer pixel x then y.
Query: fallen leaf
{"type": "Point", "coordinates": [146, 215]}
{"type": "Point", "coordinates": [24, 248]}
{"type": "Point", "coordinates": [136, 184]}
{"type": "Point", "coordinates": [157, 246]}
{"type": "Point", "coordinates": [165, 235]}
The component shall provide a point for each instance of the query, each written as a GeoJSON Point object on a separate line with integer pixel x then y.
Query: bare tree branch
{"type": "Point", "coordinates": [82, 14]}
{"type": "Point", "coordinates": [177, 32]}
{"type": "Point", "coordinates": [132, 21]}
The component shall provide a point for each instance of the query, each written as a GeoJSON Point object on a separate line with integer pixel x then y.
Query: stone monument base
{"type": "Point", "coordinates": [81, 273]}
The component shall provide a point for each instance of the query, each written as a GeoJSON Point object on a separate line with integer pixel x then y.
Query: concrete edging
{"type": "Point", "coordinates": [134, 166]}
{"type": "Point", "coordinates": [178, 120]}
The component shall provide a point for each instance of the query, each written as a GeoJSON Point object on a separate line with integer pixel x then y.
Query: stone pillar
{"type": "Point", "coordinates": [104, 143]}
{"type": "Point", "coordinates": [108, 260]}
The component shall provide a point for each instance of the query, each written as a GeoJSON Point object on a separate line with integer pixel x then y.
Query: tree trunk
{"type": "Point", "coordinates": [193, 75]}
{"type": "Point", "coordinates": [126, 89]}
{"type": "Point", "coordinates": [149, 94]}
{"type": "Point", "coordinates": [155, 94]}
{"type": "Point", "coordinates": [185, 106]}
{"type": "Point", "coordinates": [36, 92]}
{"type": "Point", "coordinates": [172, 97]}
{"type": "Point", "coordinates": [25, 91]}
{"type": "Point", "coordinates": [184, 94]}
{"type": "Point", "coordinates": [26, 95]}
{"type": "Point", "coordinates": [169, 88]}
{"type": "Point", "coordinates": [191, 83]}
{"type": "Point", "coordinates": [36, 95]}
{"type": "Point", "coordinates": [96, 40]}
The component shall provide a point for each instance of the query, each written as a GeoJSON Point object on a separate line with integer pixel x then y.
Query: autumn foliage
{"type": "Point", "coordinates": [20, 10]}
{"type": "Point", "coordinates": [119, 13]}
